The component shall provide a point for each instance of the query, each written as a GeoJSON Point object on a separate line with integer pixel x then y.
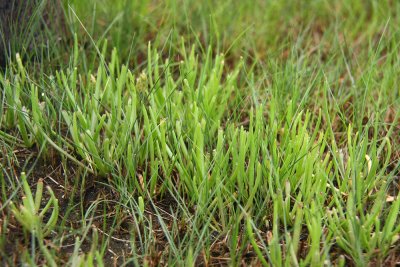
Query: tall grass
{"type": "Point", "coordinates": [285, 157]}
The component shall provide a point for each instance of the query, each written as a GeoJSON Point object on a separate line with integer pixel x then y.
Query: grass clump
{"type": "Point", "coordinates": [224, 147]}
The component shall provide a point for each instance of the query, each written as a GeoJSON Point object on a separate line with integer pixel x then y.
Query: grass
{"type": "Point", "coordinates": [201, 133]}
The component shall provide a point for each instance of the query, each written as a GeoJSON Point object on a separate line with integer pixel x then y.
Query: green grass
{"type": "Point", "coordinates": [198, 132]}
